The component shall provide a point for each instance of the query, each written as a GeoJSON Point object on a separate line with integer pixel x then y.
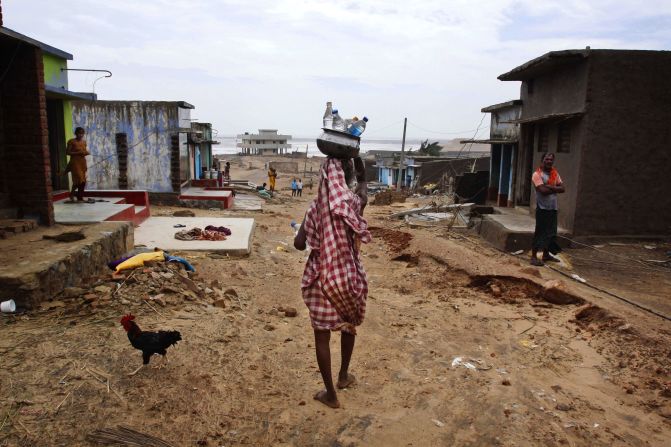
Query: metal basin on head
{"type": "Point", "coordinates": [335, 143]}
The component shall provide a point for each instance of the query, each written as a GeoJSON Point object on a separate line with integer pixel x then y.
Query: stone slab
{"type": "Point", "coordinates": [511, 231]}
{"type": "Point", "coordinates": [82, 213]}
{"type": "Point", "coordinates": [205, 193]}
{"type": "Point", "coordinates": [33, 269]}
{"type": "Point", "coordinates": [160, 232]}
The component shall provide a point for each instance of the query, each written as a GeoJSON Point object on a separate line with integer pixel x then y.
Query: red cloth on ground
{"type": "Point", "coordinates": [334, 283]}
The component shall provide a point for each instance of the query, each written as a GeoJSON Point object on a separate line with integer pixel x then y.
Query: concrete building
{"type": "Point", "coordinates": [504, 135]}
{"type": "Point", "coordinates": [266, 142]}
{"type": "Point", "coordinates": [420, 170]}
{"type": "Point", "coordinates": [141, 145]}
{"type": "Point", "coordinates": [202, 141]}
{"type": "Point", "coordinates": [606, 115]}
{"type": "Point", "coordinates": [35, 124]}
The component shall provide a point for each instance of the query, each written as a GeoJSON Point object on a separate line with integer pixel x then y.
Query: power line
{"type": "Point", "coordinates": [446, 133]}
{"type": "Point", "coordinates": [472, 138]}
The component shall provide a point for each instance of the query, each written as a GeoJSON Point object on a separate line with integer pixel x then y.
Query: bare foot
{"type": "Point", "coordinates": [322, 397]}
{"type": "Point", "coordinates": [344, 383]}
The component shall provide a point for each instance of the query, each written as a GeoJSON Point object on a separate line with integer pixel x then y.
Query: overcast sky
{"type": "Point", "coordinates": [247, 64]}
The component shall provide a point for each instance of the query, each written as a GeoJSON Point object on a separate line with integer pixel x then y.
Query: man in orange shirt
{"type": "Point", "coordinates": [548, 184]}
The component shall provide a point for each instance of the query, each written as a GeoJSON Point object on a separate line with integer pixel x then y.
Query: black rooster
{"type": "Point", "coordinates": [149, 343]}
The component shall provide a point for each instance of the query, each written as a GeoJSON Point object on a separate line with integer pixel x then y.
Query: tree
{"type": "Point", "coordinates": [432, 149]}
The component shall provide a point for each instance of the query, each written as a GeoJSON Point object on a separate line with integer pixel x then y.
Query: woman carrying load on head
{"type": "Point", "coordinates": [334, 283]}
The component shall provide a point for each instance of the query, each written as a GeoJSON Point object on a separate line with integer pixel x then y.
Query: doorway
{"type": "Point", "coordinates": [57, 144]}
{"type": "Point", "coordinates": [525, 165]}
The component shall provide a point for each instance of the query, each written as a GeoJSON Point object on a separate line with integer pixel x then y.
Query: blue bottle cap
{"type": "Point", "coordinates": [335, 111]}
{"type": "Point", "coordinates": [365, 118]}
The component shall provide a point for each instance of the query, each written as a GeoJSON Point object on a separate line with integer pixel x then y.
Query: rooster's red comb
{"type": "Point", "coordinates": [127, 318]}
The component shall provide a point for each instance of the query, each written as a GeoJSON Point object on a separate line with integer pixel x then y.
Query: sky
{"type": "Point", "coordinates": [250, 64]}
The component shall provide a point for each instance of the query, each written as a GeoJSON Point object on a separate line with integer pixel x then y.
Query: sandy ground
{"type": "Point", "coordinates": [459, 348]}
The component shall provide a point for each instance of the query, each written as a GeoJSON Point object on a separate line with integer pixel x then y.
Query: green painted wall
{"type": "Point", "coordinates": [53, 75]}
{"type": "Point", "coordinates": [67, 120]}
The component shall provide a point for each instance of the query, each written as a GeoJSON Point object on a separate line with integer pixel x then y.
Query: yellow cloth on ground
{"type": "Point", "coordinates": [139, 260]}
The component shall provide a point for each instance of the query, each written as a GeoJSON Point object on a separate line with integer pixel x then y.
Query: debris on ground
{"type": "Point", "coordinates": [68, 236]}
{"type": "Point", "coordinates": [389, 197]}
{"type": "Point", "coordinates": [184, 213]}
{"type": "Point", "coordinates": [123, 435]}
{"type": "Point", "coordinates": [166, 284]}
{"type": "Point", "coordinates": [396, 240]}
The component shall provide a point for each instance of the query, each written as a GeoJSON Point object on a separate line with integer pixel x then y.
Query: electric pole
{"type": "Point", "coordinates": [400, 180]}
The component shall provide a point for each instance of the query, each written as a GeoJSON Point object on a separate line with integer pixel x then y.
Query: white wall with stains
{"type": "Point", "coordinates": [148, 126]}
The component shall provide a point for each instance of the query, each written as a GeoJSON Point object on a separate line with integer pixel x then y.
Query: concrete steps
{"type": "Point", "coordinates": [110, 206]}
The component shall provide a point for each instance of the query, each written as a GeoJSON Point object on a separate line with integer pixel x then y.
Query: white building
{"type": "Point", "coordinates": [266, 142]}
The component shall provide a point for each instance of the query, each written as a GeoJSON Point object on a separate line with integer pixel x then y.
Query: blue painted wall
{"type": "Point", "coordinates": [148, 125]}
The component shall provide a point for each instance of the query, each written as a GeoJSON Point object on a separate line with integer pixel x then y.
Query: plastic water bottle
{"type": "Point", "coordinates": [348, 122]}
{"type": "Point", "coordinates": [358, 127]}
{"type": "Point", "coordinates": [328, 116]}
{"type": "Point", "coordinates": [338, 123]}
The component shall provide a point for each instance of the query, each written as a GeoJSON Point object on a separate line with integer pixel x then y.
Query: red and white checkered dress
{"type": "Point", "coordinates": [334, 283]}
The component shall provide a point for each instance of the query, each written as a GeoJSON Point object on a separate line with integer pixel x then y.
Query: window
{"type": "Point", "coordinates": [564, 137]}
{"type": "Point", "coordinates": [543, 138]}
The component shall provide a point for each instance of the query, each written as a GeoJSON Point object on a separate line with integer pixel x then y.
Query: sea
{"type": "Point", "coordinates": [227, 145]}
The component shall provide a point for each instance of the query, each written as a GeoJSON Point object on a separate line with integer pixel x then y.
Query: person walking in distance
{"type": "Point", "coordinates": [548, 184]}
{"type": "Point", "coordinates": [299, 188]}
{"type": "Point", "coordinates": [272, 176]}
{"type": "Point", "coordinates": [294, 187]}
{"type": "Point", "coordinates": [77, 150]}
{"type": "Point", "coordinates": [334, 283]}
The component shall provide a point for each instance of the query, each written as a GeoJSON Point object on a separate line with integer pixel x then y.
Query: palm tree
{"type": "Point", "coordinates": [432, 149]}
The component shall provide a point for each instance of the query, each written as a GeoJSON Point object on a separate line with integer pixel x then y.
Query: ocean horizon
{"type": "Point", "coordinates": [227, 145]}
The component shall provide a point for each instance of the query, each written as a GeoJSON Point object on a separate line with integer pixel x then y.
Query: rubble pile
{"type": "Point", "coordinates": [389, 197]}
{"type": "Point", "coordinates": [164, 284]}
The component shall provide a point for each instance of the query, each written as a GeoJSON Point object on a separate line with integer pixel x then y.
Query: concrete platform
{"type": "Point", "coordinates": [248, 202]}
{"type": "Point", "coordinates": [33, 269]}
{"type": "Point", "coordinates": [82, 213]}
{"type": "Point", "coordinates": [160, 232]}
{"type": "Point", "coordinates": [110, 205]}
{"type": "Point", "coordinates": [221, 197]}
{"type": "Point", "coordinates": [511, 230]}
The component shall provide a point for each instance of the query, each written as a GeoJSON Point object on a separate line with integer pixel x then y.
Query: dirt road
{"type": "Point", "coordinates": [461, 347]}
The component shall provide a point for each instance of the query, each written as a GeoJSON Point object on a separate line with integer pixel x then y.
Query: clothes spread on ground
{"type": "Point", "coordinates": [139, 260]}
{"type": "Point", "coordinates": [182, 261]}
{"type": "Point", "coordinates": [224, 230]}
{"type": "Point", "coordinates": [138, 257]}
{"type": "Point", "coordinates": [334, 283]}
{"type": "Point", "coordinates": [210, 233]}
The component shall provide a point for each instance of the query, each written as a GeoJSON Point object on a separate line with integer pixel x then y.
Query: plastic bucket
{"type": "Point", "coordinates": [8, 307]}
